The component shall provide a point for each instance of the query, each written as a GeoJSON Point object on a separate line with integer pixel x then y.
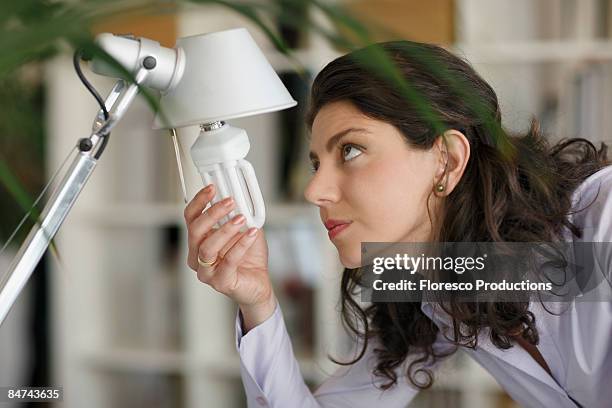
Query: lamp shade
{"type": "Point", "coordinates": [225, 76]}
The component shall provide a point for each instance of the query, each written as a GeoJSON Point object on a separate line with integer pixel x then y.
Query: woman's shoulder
{"type": "Point", "coordinates": [592, 206]}
{"type": "Point", "coordinates": [589, 188]}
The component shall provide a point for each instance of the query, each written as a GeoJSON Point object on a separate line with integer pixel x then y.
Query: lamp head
{"type": "Point", "coordinates": [206, 78]}
{"type": "Point", "coordinates": [165, 65]}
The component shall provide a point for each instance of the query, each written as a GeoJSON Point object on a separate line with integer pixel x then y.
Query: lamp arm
{"type": "Point", "coordinates": [64, 197]}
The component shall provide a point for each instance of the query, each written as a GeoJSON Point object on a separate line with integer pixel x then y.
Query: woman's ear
{"type": "Point", "coordinates": [453, 150]}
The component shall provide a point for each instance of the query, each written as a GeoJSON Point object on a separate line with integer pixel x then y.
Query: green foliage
{"type": "Point", "coordinates": [21, 150]}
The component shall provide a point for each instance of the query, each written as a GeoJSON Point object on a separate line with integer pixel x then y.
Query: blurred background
{"type": "Point", "coordinates": [115, 316]}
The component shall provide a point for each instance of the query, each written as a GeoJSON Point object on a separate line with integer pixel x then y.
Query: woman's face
{"type": "Point", "coordinates": [369, 178]}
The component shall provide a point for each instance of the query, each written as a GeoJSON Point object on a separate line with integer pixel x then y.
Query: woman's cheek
{"type": "Point", "coordinates": [349, 247]}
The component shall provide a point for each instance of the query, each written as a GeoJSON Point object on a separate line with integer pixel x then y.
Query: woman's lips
{"type": "Point", "coordinates": [337, 230]}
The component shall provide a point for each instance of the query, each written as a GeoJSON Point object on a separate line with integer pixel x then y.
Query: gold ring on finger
{"type": "Point", "coordinates": [207, 263]}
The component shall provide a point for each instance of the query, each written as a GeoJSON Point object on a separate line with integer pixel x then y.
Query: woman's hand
{"type": "Point", "coordinates": [241, 268]}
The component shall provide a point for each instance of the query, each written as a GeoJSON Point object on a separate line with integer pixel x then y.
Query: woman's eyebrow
{"type": "Point", "coordinates": [336, 138]}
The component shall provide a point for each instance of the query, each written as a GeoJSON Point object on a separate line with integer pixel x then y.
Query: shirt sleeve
{"type": "Point", "coordinates": [271, 375]}
{"type": "Point", "coordinates": [583, 328]}
{"type": "Point", "coordinates": [592, 204]}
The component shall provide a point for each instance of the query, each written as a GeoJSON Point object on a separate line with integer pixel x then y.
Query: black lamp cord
{"type": "Point", "coordinates": [84, 146]}
{"type": "Point", "coordinates": [85, 143]}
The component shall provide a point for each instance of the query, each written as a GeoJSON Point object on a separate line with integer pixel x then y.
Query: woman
{"type": "Point", "coordinates": [388, 175]}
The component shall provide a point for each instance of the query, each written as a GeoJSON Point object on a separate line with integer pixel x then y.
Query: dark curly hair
{"type": "Point", "coordinates": [515, 188]}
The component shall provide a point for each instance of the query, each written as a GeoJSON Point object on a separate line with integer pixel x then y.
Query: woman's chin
{"type": "Point", "coordinates": [349, 262]}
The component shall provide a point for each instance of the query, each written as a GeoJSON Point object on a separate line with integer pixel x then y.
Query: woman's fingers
{"type": "Point", "coordinates": [211, 247]}
{"type": "Point", "coordinates": [216, 253]}
{"type": "Point", "coordinates": [223, 277]}
{"type": "Point", "coordinates": [235, 254]}
{"type": "Point", "coordinates": [198, 203]}
{"type": "Point", "coordinates": [199, 228]}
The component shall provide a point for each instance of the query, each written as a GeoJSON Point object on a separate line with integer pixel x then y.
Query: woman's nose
{"type": "Point", "coordinates": [322, 188]}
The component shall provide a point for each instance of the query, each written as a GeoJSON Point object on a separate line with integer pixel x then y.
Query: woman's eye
{"type": "Point", "coordinates": [347, 148]}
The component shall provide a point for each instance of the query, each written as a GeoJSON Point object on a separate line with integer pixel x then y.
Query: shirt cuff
{"type": "Point", "coordinates": [247, 344]}
{"type": "Point", "coordinates": [261, 327]}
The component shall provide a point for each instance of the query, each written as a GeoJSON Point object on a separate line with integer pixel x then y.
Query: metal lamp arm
{"type": "Point", "coordinates": [63, 198]}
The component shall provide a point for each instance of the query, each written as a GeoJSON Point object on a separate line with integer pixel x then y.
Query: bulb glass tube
{"type": "Point", "coordinates": [218, 154]}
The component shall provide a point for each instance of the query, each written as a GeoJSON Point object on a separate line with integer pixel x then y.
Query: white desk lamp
{"type": "Point", "coordinates": [204, 80]}
{"type": "Point", "coordinates": [208, 79]}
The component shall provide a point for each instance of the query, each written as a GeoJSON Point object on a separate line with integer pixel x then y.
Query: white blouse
{"type": "Point", "coordinates": [576, 345]}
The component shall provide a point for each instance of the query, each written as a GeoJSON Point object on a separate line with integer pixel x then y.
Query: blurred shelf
{"type": "Point", "coordinates": [309, 58]}
{"type": "Point", "coordinates": [535, 51]}
{"type": "Point", "coordinates": [498, 53]}
{"type": "Point", "coordinates": [136, 360]}
{"type": "Point", "coordinates": [178, 362]}
{"type": "Point", "coordinates": [153, 214]}
{"type": "Point", "coordinates": [131, 214]}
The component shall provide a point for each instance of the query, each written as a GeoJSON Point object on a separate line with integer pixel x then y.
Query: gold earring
{"type": "Point", "coordinates": [440, 188]}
